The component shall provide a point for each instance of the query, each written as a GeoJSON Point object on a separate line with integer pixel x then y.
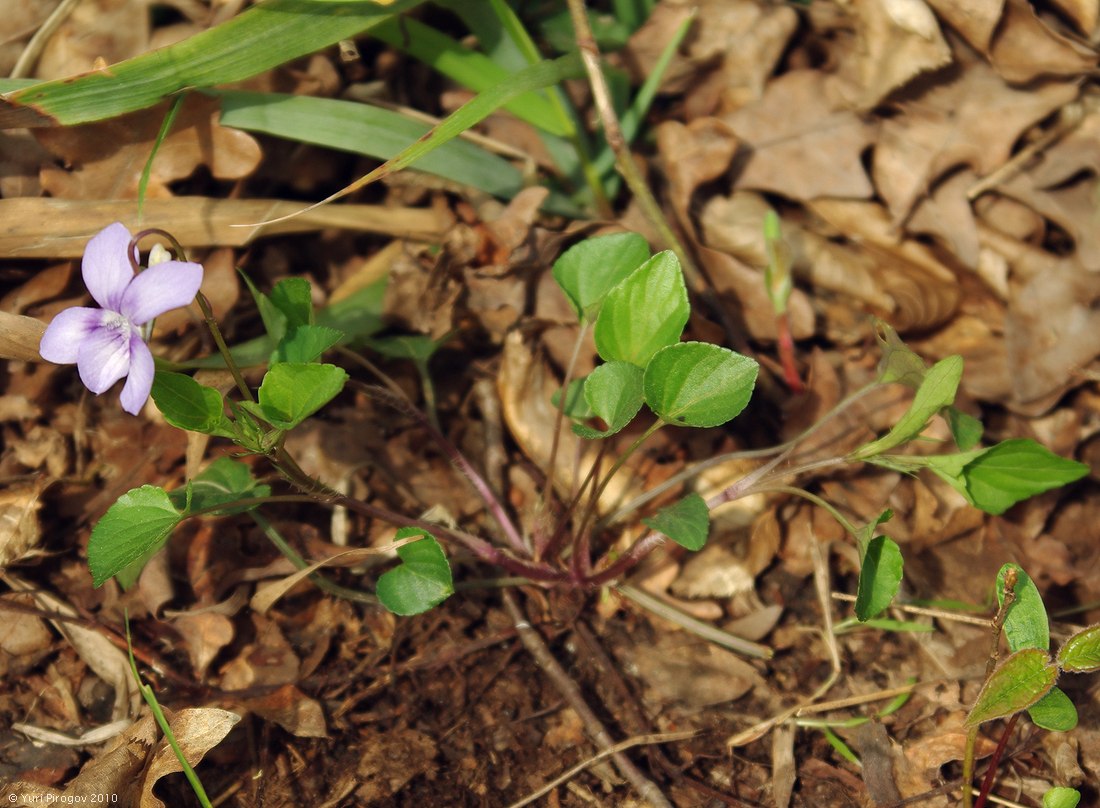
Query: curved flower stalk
{"type": "Point", "coordinates": [106, 343]}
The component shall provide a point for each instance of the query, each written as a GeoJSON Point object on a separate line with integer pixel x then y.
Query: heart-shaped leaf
{"type": "Point", "coordinates": [698, 384]}
{"type": "Point", "coordinates": [189, 405]}
{"type": "Point", "coordinates": [422, 580]}
{"type": "Point", "coordinates": [686, 522]}
{"type": "Point", "coordinates": [291, 391]}
{"type": "Point", "coordinates": [614, 393]}
{"type": "Point", "coordinates": [138, 522]}
{"type": "Point", "coordinates": [587, 271]}
{"type": "Point", "coordinates": [1054, 712]}
{"type": "Point", "coordinates": [643, 313]}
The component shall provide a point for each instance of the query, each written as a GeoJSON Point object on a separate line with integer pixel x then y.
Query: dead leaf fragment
{"type": "Point", "coordinates": [19, 525]}
{"type": "Point", "coordinates": [898, 40]}
{"type": "Point", "coordinates": [803, 140]}
{"type": "Point", "coordinates": [197, 731]}
{"type": "Point", "coordinates": [1025, 48]}
{"type": "Point", "coordinates": [108, 157]}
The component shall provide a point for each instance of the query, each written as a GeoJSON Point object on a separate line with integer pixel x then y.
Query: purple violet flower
{"type": "Point", "coordinates": [106, 344]}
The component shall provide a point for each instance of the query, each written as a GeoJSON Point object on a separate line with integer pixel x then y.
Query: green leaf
{"type": "Point", "coordinates": [965, 429]}
{"type": "Point", "coordinates": [293, 298]}
{"type": "Point", "coordinates": [575, 405]}
{"type": "Point", "coordinates": [898, 363]}
{"type": "Point", "coordinates": [1026, 624]}
{"type": "Point", "coordinates": [643, 313]}
{"type": "Point", "coordinates": [699, 384]}
{"type": "Point", "coordinates": [291, 392]}
{"type": "Point", "coordinates": [686, 522]}
{"type": "Point", "coordinates": [936, 391]}
{"type": "Point", "coordinates": [473, 70]}
{"type": "Point", "coordinates": [254, 41]}
{"type": "Point", "coordinates": [141, 520]}
{"type": "Point", "coordinates": [614, 393]}
{"type": "Point", "coordinates": [1017, 683]}
{"type": "Point", "coordinates": [224, 482]}
{"type": "Point", "coordinates": [1054, 712]}
{"type": "Point", "coordinates": [423, 579]}
{"type": "Point", "coordinates": [189, 405]}
{"type": "Point", "coordinates": [867, 532]}
{"type": "Point", "coordinates": [306, 343]}
{"type": "Point", "coordinates": [273, 319]}
{"type": "Point", "coordinates": [1081, 652]}
{"type": "Point", "coordinates": [1013, 470]}
{"type": "Point", "coordinates": [588, 270]}
{"type": "Point", "coordinates": [1061, 797]}
{"type": "Point", "coordinates": [879, 577]}
{"type": "Point", "coordinates": [416, 347]}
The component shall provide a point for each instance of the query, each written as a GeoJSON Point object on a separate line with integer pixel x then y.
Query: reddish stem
{"type": "Point", "coordinates": [786, 354]}
{"type": "Point", "coordinates": [994, 761]}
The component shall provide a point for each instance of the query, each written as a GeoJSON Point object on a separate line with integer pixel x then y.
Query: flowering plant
{"type": "Point", "coordinates": [107, 343]}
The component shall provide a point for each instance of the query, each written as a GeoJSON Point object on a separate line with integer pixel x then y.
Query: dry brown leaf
{"type": "Point", "coordinates": [1052, 331]}
{"type": "Point", "coordinates": [1025, 48]}
{"type": "Point", "coordinates": [19, 526]}
{"type": "Point", "coordinates": [269, 660]}
{"type": "Point", "coordinates": [1084, 13]}
{"type": "Point", "coordinates": [197, 731]}
{"type": "Point", "coordinates": [947, 213]}
{"type": "Point", "coordinates": [525, 386]}
{"type": "Point", "coordinates": [683, 668]}
{"type": "Point", "coordinates": [292, 710]}
{"type": "Point", "coordinates": [1072, 207]}
{"type": "Point", "coordinates": [96, 32]}
{"type": "Point", "coordinates": [102, 656]}
{"type": "Point", "coordinates": [976, 20]}
{"type": "Point", "coordinates": [784, 773]}
{"type": "Point", "coordinates": [897, 41]}
{"type": "Point", "coordinates": [20, 337]}
{"type": "Point", "coordinates": [728, 56]}
{"type": "Point", "coordinates": [108, 158]}
{"type": "Point", "coordinates": [803, 141]}
{"type": "Point", "coordinates": [61, 228]}
{"type": "Point", "coordinates": [973, 118]}
{"type": "Point", "coordinates": [17, 24]}
{"type": "Point", "coordinates": [204, 636]}
{"type": "Point", "coordinates": [917, 764]}
{"type": "Point", "coordinates": [923, 290]}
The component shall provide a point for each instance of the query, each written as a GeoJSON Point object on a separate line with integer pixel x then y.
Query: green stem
{"type": "Point", "coordinates": [815, 499]}
{"type": "Point", "coordinates": [317, 578]}
{"type": "Point", "coordinates": [594, 499]}
{"type": "Point", "coordinates": [162, 722]}
{"type": "Point", "coordinates": [223, 348]}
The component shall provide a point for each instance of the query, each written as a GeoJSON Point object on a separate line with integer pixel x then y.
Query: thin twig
{"type": "Point", "coordinates": [30, 53]}
{"type": "Point", "coordinates": [569, 689]}
{"type": "Point", "coordinates": [697, 627]}
{"type": "Point", "coordinates": [622, 746]}
{"type": "Point", "coordinates": [940, 614]}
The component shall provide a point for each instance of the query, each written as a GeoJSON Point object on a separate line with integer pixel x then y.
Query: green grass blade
{"type": "Point", "coordinates": [256, 40]}
{"type": "Point", "coordinates": [146, 172]}
{"type": "Point", "coordinates": [536, 77]}
{"type": "Point", "coordinates": [468, 67]}
{"type": "Point", "coordinates": [364, 129]}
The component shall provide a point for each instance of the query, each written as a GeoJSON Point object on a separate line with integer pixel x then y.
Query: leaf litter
{"type": "Point", "coordinates": [935, 164]}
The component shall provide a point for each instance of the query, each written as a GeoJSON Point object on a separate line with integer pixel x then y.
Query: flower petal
{"type": "Point", "coordinates": [106, 270]}
{"type": "Point", "coordinates": [67, 332]}
{"type": "Point", "coordinates": [166, 286]}
{"type": "Point", "coordinates": [104, 357]}
{"type": "Point", "coordinates": [140, 381]}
